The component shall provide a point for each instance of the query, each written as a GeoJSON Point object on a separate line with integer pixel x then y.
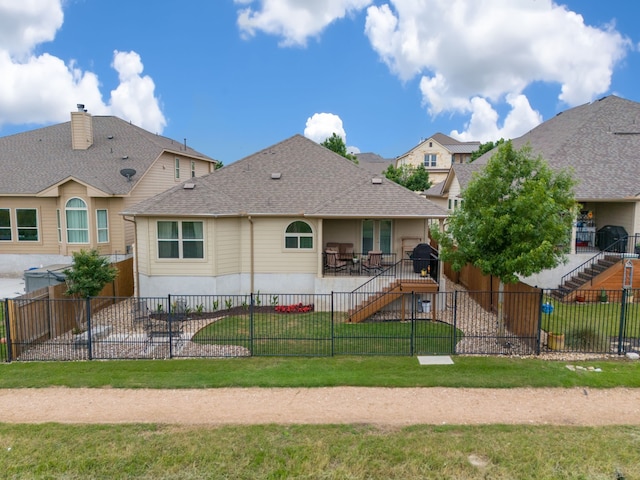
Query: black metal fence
{"type": "Point", "coordinates": [402, 323]}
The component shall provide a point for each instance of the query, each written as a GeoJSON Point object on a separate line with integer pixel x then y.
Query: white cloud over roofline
{"type": "Point", "coordinates": [43, 89]}
{"type": "Point", "coordinates": [321, 126]}
{"type": "Point", "coordinates": [472, 55]}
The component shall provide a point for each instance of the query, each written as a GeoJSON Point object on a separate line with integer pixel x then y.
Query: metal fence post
{"type": "Point", "coordinates": [623, 315]}
{"type": "Point", "coordinates": [251, 325]}
{"type": "Point", "coordinates": [413, 323]}
{"type": "Point", "coordinates": [89, 339]}
{"type": "Point", "coordinates": [333, 336]}
{"type": "Point", "coordinates": [539, 330]}
{"type": "Point", "coordinates": [455, 321]}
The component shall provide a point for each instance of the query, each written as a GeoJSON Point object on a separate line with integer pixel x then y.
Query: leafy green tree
{"type": "Point", "coordinates": [336, 144]}
{"type": "Point", "coordinates": [485, 147]}
{"type": "Point", "coordinates": [413, 178]}
{"type": "Point", "coordinates": [87, 276]}
{"type": "Point", "coordinates": [516, 218]}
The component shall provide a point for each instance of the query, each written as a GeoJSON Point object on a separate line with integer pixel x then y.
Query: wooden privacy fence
{"type": "Point", "coordinates": [48, 313]}
{"type": "Point", "coordinates": [521, 313]}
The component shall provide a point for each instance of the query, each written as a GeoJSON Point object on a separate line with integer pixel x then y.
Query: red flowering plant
{"type": "Point", "coordinates": [294, 308]}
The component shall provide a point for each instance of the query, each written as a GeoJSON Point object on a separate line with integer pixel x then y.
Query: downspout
{"type": "Point", "coordinates": [135, 254]}
{"type": "Point", "coordinates": [251, 270]}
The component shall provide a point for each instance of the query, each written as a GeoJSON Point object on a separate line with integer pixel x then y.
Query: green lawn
{"type": "Point", "coordinates": [367, 371]}
{"type": "Point", "coordinates": [495, 452]}
{"type": "Point", "coordinates": [591, 326]}
{"type": "Point", "coordinates": [459, 452]}
{"type": "Point", "coordinates": [312, 333]}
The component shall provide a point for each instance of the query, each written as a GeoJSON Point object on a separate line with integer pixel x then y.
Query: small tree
{"type": "Point", "coordinates": [516, 219]}
{"type": "Point", "coordinates": [413, 178]}
{"type": "Point", "coordinates": [336, 144]}
{"type": "Point", "coordinates": [485, 147]}
{"type": "Point", "coordinates": [87, 277]}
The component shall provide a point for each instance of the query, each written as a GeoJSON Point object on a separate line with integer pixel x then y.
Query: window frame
{"type": "Point", "coordinates": [8, 228]}
{"type": "Point", "coordinates": [193, 168]}
{"type": "Point", "coordinates": [180, 239]}
{"type": "Point", "coordinates": [105, 228]}
{"type": "Point", "coordinates": [301, 238]}
{"type": "Point", "coordinates": [28, 228]}
{"type": "Point", "coordinates": [69, 229]}
{"type": "Point", "coordinates": [176, 168]}
{"type": "Point", "coordinates": [430, 159]}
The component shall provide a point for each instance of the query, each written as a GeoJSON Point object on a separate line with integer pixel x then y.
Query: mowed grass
{"type": "Point", "coordinates": [162, 451]}
{"type": "Point", "coordinates": [318, 452]}
{"type": "Point", "coordinates": [316, 333]}
{"type": "Point", "coordinates": [295, 372]}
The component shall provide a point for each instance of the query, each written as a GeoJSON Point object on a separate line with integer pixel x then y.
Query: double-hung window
{"type": "Point", "coordinates": [180, 239]}
{"type": "Point", "coordinates": [77, 221]}
{"type": "Point", "coordinates": [298, 235]}
{"type": "Point", "coordinates": [430, 159]}
{"type": "Point", "coordinates": [102, 224]}
{"type": "Point", "coordinates": [5, 225]}
{"type": "Point", "coordinates": [27, 224]}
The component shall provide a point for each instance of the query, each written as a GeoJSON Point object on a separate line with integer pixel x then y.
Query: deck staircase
{"type": "Point", "coordinates": [584, 275]}
{"type": "Point", "coordinates": [395, 290]}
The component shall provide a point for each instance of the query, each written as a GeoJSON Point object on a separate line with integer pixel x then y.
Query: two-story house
{"type": "Point", "coordinates": [62, 187]}
{"type": "Point", "coordinates": [438, 153]}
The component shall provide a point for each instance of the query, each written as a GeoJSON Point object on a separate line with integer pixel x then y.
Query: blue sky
{"type": "Point", "coordinates": [235, 76]}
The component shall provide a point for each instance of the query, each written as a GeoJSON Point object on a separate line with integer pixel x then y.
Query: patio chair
{"type": "Point", "coordinates": [333, 262]}
{"type": "Point", "coordinates": [373, 262]}
{"type": "Point", "coordinates": [346, 251]}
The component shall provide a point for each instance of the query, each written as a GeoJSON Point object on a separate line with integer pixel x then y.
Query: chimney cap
{"type": "Point", "coordinates": [80, 107]}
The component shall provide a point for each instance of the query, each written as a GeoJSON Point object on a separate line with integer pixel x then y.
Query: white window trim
{"type": "Point", "coordinates": [181, 241]}
{"type": "Point", "coordinates": [75, 209]}
{"type": "Point", "coordinates": [193, 168]}
{"type": "Point", "coordinates": [176, 168]}
{"type": "Point", "coordinates": [10, 226]}
{"type": "Point", "coordinates": [105, 228]}
{"type": "Point", "coordinates": [298, 236]}
{"type": "Point", "coordinates": [36, 228]}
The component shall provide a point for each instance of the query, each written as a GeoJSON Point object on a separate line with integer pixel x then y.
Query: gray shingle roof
{"type": "Point", "coordinates": [33, 161]}
{"type": "Point", "coordinates": [314, 181]}
{"type": "Point", "coordinates": [373, 162]}
{"type": "Point", "coordinates": [600, 141]}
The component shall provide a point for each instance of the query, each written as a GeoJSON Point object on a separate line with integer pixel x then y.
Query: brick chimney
{"type": "Point", "coordinates": [81, 129]}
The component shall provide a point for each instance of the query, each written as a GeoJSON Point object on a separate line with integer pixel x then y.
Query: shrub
{"type": "Point", "coordinates": [587, 339]}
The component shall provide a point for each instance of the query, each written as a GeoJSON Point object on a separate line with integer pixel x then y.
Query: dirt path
{"type": "Point", "coordinates": [382, 406]}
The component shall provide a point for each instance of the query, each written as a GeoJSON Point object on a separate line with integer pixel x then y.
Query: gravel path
{"type": "Point", "coordinates": [336, 405]}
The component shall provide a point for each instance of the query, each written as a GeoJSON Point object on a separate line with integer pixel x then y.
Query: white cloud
{"type": "Point", "coordinates": [491, 50]}
{"type": "Point", "coordinates": [484, 123]}
{"type": "Point", "coordinates": [43, 88]}
{"type": "Point", "coordinates": [293, 20]}
{"type": "Point", "coordinates": [321, 126]}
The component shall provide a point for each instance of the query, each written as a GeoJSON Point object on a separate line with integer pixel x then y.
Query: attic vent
{"type": "Point", "coordinates": [124, 157]}
{"type": "Point", "coordinates": [110, 137]}
{"type": "Point", "coordinates": [189, 186]}
{"type": "Point", "coordinates": [276, 176]}
{"type": "Point", "coordinates": [376, 180]}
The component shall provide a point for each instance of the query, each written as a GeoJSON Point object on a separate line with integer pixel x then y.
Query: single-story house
{"type": "Point", "coordinates": [265, 223]}
{"type": "Point", "coordinates": [62, 187]}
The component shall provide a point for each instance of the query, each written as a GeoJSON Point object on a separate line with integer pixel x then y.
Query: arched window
{"type": "Point", "coordinates": [298, 235]}
{"type": "Point", "coordinates": [77, 221]}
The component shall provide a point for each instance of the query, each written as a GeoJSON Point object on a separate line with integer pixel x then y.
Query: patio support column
{"type": "Point", "coordinates": [320, 243]}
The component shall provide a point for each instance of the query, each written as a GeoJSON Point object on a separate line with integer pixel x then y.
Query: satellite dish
{"type": "Point", "coordinates": [128, 172]}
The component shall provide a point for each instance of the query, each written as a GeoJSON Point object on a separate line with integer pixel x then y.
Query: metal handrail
{"type": "Point", "coordinates": [618, 247]}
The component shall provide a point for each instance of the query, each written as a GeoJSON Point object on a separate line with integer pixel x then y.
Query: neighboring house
{"type": "Point", "coordinates": [62, 187]}
{"type": "Point", "coordinates": [374, 162]}
{"type": "Point", "coordinates": [438, 153]}
{"type": "Point", "coordinates": [600, 143]}
{"type": "Point", "coordinates": [263, 224]}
